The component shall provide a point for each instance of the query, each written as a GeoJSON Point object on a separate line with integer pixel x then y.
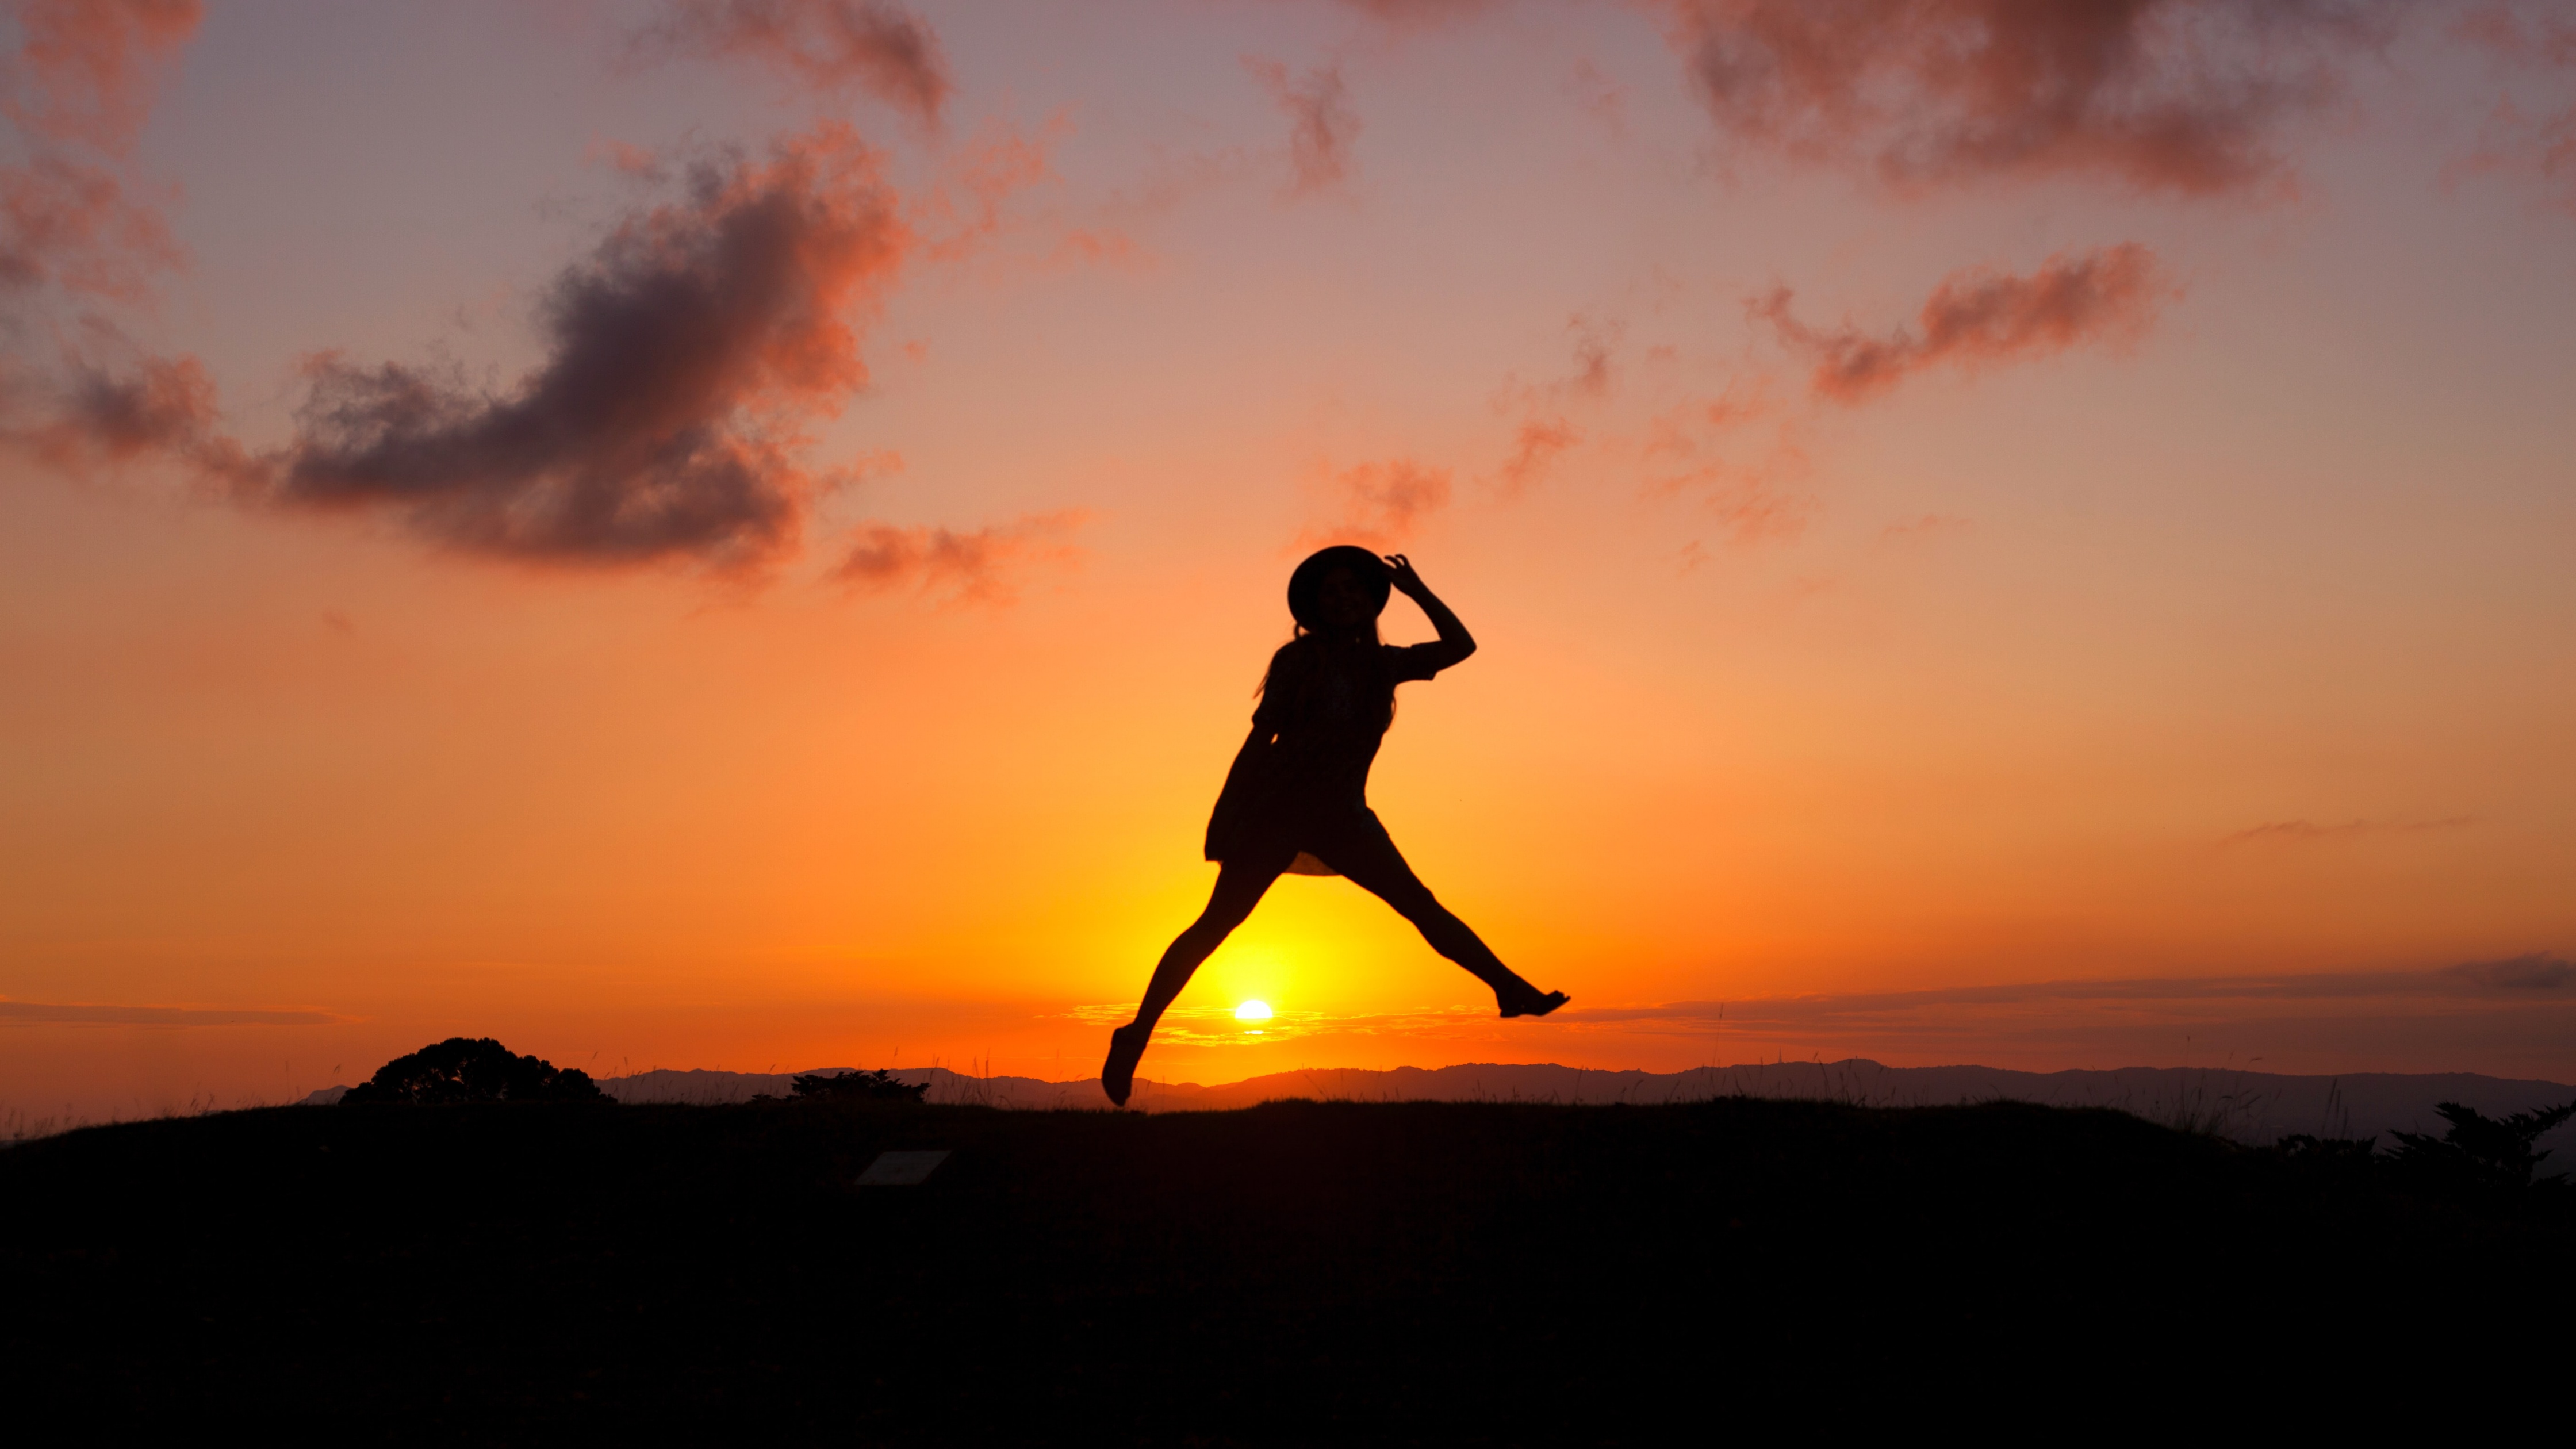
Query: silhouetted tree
{"type": "Point", "coordinates": [877, 1086]}
{"type": "Point", "coordinates": [463, 1069]}
{"type": "Point", "coordinates": [2480, 1151]}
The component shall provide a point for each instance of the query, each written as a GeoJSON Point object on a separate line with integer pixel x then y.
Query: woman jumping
{"type": "Point", "coordinates": [1297, 797]}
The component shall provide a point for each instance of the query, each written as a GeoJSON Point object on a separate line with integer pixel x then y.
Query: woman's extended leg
{"type": "Point", "coordinates": [1369, 858]}
{"type": "Point", "coordinates": [1239, 887]}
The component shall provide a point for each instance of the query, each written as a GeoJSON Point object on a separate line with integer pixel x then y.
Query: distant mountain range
{"type": "Point", "coordinates": [2257, 1107]}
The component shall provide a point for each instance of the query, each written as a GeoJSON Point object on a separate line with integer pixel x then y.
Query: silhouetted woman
{"type": "Point", "coordinates": [1297, 797]}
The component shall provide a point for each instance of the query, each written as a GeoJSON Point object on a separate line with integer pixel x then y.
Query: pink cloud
{"type": "Point", "coordinates": [827, 45]}
{"type": "Point", "coordinates": [72, 224]}
{"type": "Point", "coordinates": [157, 407]}
{"type": "Point", "coordinates": [962, 209]}
{"type": "Point", "coordinates": [1980, 317]}
{"type": "Point", "coordinates": [1535, 450]}
{"type": "Point", "coordinates": [76, 91]}
{"type": "Point", "coordinates": [1422, 14]}
{"type": "Point", "coordinates": [1598, 96]}
{"type": "Point", "coordinates": [1739, 456]}
{"type": "Point", "coordinates": [1381, 504]}
{"type": "Point", "coordinates": [976, 567]}
{"type": "Point", "coordinates": [81, 73]}
{"type": "Point", "coordinates": [1321, 124]}
{"type": "Point", "coordinates": [2183, 96]}
{"type": "Point", "coordinates": [2538, 139]}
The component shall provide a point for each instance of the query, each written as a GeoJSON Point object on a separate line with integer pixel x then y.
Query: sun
{"type": "Point", "coordinates": [1253, 1011]}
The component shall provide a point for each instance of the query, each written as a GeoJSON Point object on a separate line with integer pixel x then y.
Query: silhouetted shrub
{"type": "Point", "coordinates": [2481, 1152]}
{"type": "Point", "coordinates": [462, 1069]}
{"type": "Point", "coordinates": [2330, 1164]}
{"type": "Point", "coordinates": [2300, 1147]}
{"type": "Point", "coordinates": [877, 1086]}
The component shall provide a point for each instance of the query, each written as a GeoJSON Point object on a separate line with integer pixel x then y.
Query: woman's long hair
{"type": "Point", "coordinates": [1309, 653]}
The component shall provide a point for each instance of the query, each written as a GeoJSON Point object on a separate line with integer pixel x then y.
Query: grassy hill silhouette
{"type": "Point", "coordinates": [1298, 1272]}
{"type": "Point", "coordinates": [2256, 1108]}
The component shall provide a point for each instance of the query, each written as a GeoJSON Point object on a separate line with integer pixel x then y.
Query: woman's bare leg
{"type": "Point", "coordinates": [1372, 862]}
{"type": "Point", "coordinates": [1238, 889]}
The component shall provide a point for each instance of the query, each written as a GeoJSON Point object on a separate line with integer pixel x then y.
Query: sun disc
{"type": "Point", "coordinates": [1253, 1011]}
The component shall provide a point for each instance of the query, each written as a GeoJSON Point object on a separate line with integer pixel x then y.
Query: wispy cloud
{"type": "Point", "coordinates": [1216, 1025]}
{"type": "Point", "coordinates": [76, 92]}
{"type": "Point", "coordinates": [151, 407]}
{"type": "Point", "coordinates": [2297, 832]}
{"type": "Point", "coordinates": [1422, 14]}
{"type": "Point", "coordinates": [827, 46]}
{"type": "Point", "coordinates": [1597, 96]}
{"type": "Point", "coordinates": [1535, 449]}
{"type": "Point", "coordinates": [2538, 971]}
{"type": "Point", "coordinates": [962, 207]}
{"type": "Point", "coordinates": [1737, 455]}
{"type": "Point", "coordinates": [2533, 137]}
{"type": "Point", "coordinates": [2182, 96]}
{"type": "Point", "coordinates": [1544, 433]}
{"type": "Point", "coordinates": [1983, 317]}
{"type": "Point", "coordinates": [2465, 981]}
{"type": "Point", "coordinates": [45, 1013]}
{"type": "Point", "coordinates": [2519, 1010]}
{"type": "Point", "coordinates": [2514, 1017]}
{"type": "Point", "coordinates": [1380, 505]}
{"type": "Point", "coordinates": [981, 566]}
{"type": "Point", "coordinates": [1321, 124]}
{"type": "Point", "coordinates": [1924, 528]}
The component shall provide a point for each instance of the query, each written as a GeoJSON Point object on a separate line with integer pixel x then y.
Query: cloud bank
{"type": "Point", "coordinates": [2510, 1016]}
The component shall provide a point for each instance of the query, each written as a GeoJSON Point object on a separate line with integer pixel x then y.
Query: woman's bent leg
{"type": "Point", "coordinates": [1371, 861]}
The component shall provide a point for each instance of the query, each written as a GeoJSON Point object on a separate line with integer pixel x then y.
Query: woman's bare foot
{"type": "Point", "coordinates": [1126, 1049]}
{"type": "Point", "coordinates": [1535, 1003]}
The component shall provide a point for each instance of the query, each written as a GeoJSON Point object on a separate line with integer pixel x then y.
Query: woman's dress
{"type": "Point", "coordinates": [1300, 795]}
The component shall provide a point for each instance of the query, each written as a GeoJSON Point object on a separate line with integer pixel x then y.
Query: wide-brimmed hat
{"type": "Point", "coordinates": [1308, 581]}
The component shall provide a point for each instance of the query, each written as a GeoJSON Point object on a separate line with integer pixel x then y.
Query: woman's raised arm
{"type": "Point", "coordinates": [1455, 642]}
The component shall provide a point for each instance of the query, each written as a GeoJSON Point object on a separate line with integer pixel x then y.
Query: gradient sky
{"type": "Point", "coordinates": [742, 533]}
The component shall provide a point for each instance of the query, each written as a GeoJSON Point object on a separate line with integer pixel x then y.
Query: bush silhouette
{"type": "Point", "coordinates": [462, 1069]}
{"type": "Point", "coordinates": [2341, 1161]}
{"type": "Point", "coordinates": [2479, 1151]}
{"type": "Point", "coordinates": [877, 1086]}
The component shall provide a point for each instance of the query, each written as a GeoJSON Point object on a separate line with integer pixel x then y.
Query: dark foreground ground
{"type": "Point", "coordinates": [1297, 1272]}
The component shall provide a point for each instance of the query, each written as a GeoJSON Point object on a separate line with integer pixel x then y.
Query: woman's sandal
{"type": "Point", "coordinates": [1126, 1049]}
{"type": "Point", "coordinates": [1537, 1003]}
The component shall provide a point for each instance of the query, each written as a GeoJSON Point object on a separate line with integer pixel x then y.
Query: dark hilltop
{"type": "Point", "coordinates": [1297, 1272]}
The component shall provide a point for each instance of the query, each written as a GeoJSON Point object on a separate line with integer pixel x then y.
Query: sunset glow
{"type": "Point", "coordinates": [670, 544]}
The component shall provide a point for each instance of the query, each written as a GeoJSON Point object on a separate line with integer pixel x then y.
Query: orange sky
{"type": "Point", "coordinates": [737, 534]}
